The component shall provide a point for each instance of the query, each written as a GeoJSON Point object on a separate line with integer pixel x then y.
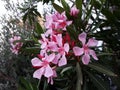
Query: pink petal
{"type": "Point", "coordinates": [78, 51]}
{"type": "Point", "coordinates": [69, 22]}
{"type": "Point", "coordinates": [62, 61]}
{"type": "Point", "coordinates": [92, 42]}
{"type": "Point", "coordinates": [42, 52]}
{"type": "Point", "coordinates": [59, 39]}
{"type": "Point", "coordinates": [36, 62]}
{"type": "Point", "coordinates": [38, 73]}
{"type": "Point", "coordinates": [74, 11]}
{"type": "Point", "coordinates": [57, 57]}
{"type": "Point", "coordinates": [48, 71]}
{"type": "Point", "coordinates": [93, 54]}
{"type": "Point", "coordinates": [52, 46]}
{"type": "Point", "coordinates": [66, 47]}
{"type": "Point", "coordinates": [51, 57]}
{"type": "Point", "coordinates": [48, 32]}
{"type": "Point", "coordinates": [82, 37]}
{"type": "Point", "coordinates": [50, 80]}
{"type": "Point", "coordinates": [85, 59]}
{"type": "Point", "coordinates": [43, 45]}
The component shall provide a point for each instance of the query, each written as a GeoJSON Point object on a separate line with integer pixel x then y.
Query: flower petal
{"type": "Point", "coordinates": [86, 59]}
{"type": "Point", "coordinates": [78, 51]}
{"type": "Point", "coordinates": [43, 45]}
{"type": "Point", "coordinates": [48, 71]}
{"type": "Point", "coordinates": [66, 47]}
{"type": "Point", "coordinates": [92, 42]}
{"type": "Point", "coordinates": [36, 62]}
{"type": "Point", "coordinates": [38, 73]}
{"type": "Point", "coordinates": [52, 46]}
{"type": "Point", "coordinates": [57, 57]}
{"type": "Point", "coordinates": [62, 61]}
{"type": "Point", "coordinates": [50, 57]}
{"type": "Point", "coordinates": [93, 54]}
{"type": "Point", "coordinates": [82, 37]}
{"type": "Point", "coordinates": [59, 39]}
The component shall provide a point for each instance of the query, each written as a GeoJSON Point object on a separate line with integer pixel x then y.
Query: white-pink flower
{"type": "Point", "coordinates": [74, 11]}
{"type": "Point", "coordinates": [56, 21]}
{"type": "Point", "coordinates": [47, 44]}
{"type": "Point", "coordinates": [44, 66]}
{"type": "Point", "coordinates": [85, 50]}
{"type": "Point", "coordinates": [50, 79]}
{"type": "Point", "coordinates": [63, 48]}
{"type": "Point", "coordinates": [15, 47]}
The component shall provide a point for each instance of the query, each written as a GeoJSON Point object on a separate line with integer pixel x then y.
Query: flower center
{"type": "Point", "coordinates": [45, 63]}
{"type": "Point", "coordinates": [85, 48]}
{"type": "Point", "coordinates": [61, 50]}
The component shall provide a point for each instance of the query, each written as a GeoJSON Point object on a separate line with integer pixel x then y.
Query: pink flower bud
{"type": "Point", "coordinates": [74, 11]}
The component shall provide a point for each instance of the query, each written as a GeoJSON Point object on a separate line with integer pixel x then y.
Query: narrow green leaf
{"type": "Point", "coordinates": [58, 8]}
{"type": "Point", "coordinates": [101, 69]}
{"type": "Point", "coordinates": [65, 5]}
{"type": "Point", "coordinates": [89, 10]}
{"type": "Point", "coordinates": [72, 32]}
{"type": "Point", "coordinates": [39, 29]}
{"type": "Point", "coordinates": [25, 17]}
{"type": "Point", "coordinates": [79, 77]}
{"type": "Point", "coordinates": [79, 6]}
{"type": "Point", "coordinates": [45, 85]}
{"type": "Point", "coordinates": [99, 83]}
{"type": "Point", "coordinates": [66, 69]}
{"type": "Point", "coordinates": [27, 85]}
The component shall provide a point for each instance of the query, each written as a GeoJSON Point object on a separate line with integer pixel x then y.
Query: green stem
{"type": "Point", "coordinates": [38, 84]}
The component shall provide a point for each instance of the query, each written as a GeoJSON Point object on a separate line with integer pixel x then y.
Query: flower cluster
{"type": "Point", "coordinates": [53, 47]}
{"type": "Point", "coordinates": [56, 45]}
{"type": "Point", "coordinates": [15, 46]}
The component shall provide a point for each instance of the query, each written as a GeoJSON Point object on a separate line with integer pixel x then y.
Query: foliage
{"type": "Point", "coordinates": [99, 19]}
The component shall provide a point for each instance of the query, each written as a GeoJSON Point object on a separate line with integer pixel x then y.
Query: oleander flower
{"type": "Point", "coordinates": [15, 47]}
{"type": "Point", "coordinates": [85, 51]}
{"type": "Point", "coordinates": [56, 21]}
{"type": "Point", "coordinates": [63, 49]}
{"type": "Point", "coordinates": [74, 11]}
{"type": "Point", "coordinates": [43, 66]}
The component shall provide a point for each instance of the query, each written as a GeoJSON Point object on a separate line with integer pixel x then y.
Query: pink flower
{"type": "Point", "coordinates": [50, 79]}
{"type": "Point", "coordinates": [62, 50]}
{"type": "Point", "coordinates": [56, 21]}
{"type": "Point", "coordinates": [85, 48]}
{"type": "Point", "coordinates": [15, 47]}
{"type": "Point", "coordinates": [74, 11]}
{"type": "Point", "coordinates": [44, 66]}
{"type": "Point", "coordinates": [47, 44]}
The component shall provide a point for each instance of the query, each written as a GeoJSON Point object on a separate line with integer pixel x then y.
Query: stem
{"type": "Point", "coordinates": [38, 84]}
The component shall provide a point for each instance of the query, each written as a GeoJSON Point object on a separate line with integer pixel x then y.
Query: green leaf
{"type": "Point", "coordinates": [79, 77]}
{"type": "Point", "coordinates": [66, 69]}
{"type": "Point", "coordinates": [27, 85]}
{"type": "Point", "coordinates": [65, 5]}
{"type": "Point", "coordinates": [98, 82]}
{"type": "Point", "coordinates": [89, 10]}
{"type": "Point", "coordinates": [45, 85]}
{"type": "Point", "coordinates": [79, 6]}
{"type": "Point", "coordinates": [101, 69]}
{"type": "Point", "coordinates": [72, 32]}
{"type": "Point", "coordinates": [25, 17]}
{"type": "Point", "coordinates": [58, 8]}
{"type": "Point", "coordinates": [39, 29]}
